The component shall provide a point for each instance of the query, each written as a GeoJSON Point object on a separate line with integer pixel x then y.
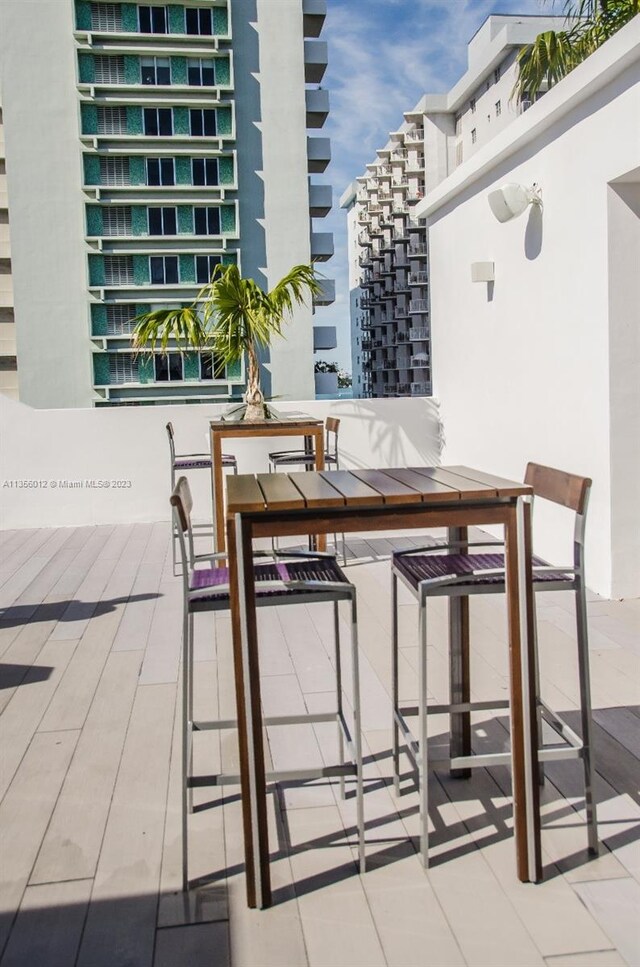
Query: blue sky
{"type": "Point", "coordinates": [383, 55]}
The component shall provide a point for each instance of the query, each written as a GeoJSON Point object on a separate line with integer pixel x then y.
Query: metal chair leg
{"type": "Point", "coordinates": [190, 703]}
{"type": "Point", "coordinates": [186, 744]}
{"type": "Point", "coordinates": [423, 773]}
{"type": "Point", "coordinates": [357, 738]}
{"type": "Point", "coordinates": [395, 731]}
{"type": "Point", "coordinates": [536, 672]}
{"type": "Point", "coordinates": [585, 713]}
{"type": "Point", "coordinates": [340, 711]}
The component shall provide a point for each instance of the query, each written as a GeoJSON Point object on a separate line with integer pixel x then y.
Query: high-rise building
{"type": "Point", "coordinates": [388, 250]}
{"type": "Point", "coordinates": [145, 145]}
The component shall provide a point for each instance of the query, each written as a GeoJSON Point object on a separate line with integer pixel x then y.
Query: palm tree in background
{"type": "Point", "coordinates": [234, 318]}
{"type": "Point", "coordinates": [555, 53]}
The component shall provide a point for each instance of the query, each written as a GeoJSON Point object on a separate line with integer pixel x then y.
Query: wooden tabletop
{"type": "Point", "coordinates": [250, 493]}
{"type": "Point", "coordinates": [297, 419]}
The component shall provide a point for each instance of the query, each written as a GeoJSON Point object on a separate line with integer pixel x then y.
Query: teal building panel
{"type": "Point", "coordinates": [230, 258]}
{"type": "Point", "coordinates": [101, 370]}
{"type": "Point", "coordinates": [94, 220]}
{"type": "Point", "coordinates": [131, 69]}
{"type": "Point", "coordinates": [130, 17]}
{"type": "Point", "coordinates": [91, 165]}
{"type": "Point", "coordinates": [139, 220]}
{"type": "Point", "coordinates": [234, 370]}
{"type": "Point", "coordinates": [224, 121]}
{"type": "Point", "coordinates": [134, 119]}
{"type": "Point", "coordinates": [227, 219]}
{"type": "Point", "coordinates": [141, 270]}
{"type": "Point", "coordinates": [89, 118]}
{"type": "Point", "coordinates": [83, 15]}
{"type": "Point", "coordinates": [187, 268]}
{"type": "Point", "coordinates": [146, 371]}
{"type": "Point", "coordinates": [185, 220]}
{"type": "Point", "coordinates": [183, 170]}
{"type": "Point", "coordinates": [223, 71]}
{"type": "Point", "coordinates": [98, 320]}
{"type": "Point", "coordinates": [86, 68]}
{"type": "Point", "coordinates": [225, 170]}
{"type": "Point", "coordinates": [181, 120]}
{"type": "Point", "coordinates": [191, 366]}
{"type": "Point", "coordinates": [220, 21]}
{"type": "Point", "coordinates": [176, 19]}
{"type": "Point", "coordinates": [178, 70]}
{"type": "Point", "coordinates": [137, 170]}
{"type": "Point", "coordinates": [96, 270]}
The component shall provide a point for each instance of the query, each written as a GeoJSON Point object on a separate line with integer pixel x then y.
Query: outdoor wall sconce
{"type": "Point", "coordinates": [512, 200]}
{"type": "Point", "coordinates": [483, 272]}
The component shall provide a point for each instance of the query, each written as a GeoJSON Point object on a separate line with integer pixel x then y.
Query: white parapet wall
{"type": "Point", "coordinates": [111, 466]}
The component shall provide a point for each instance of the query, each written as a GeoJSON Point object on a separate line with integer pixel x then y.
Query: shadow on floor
{"type": "Point", "coordinates": [68, 610]}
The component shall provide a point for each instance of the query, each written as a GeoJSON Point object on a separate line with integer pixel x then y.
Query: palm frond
{"type": "Point", "coordinates": [157, 329]}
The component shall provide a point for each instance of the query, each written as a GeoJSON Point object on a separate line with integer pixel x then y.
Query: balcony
{"type": "Point", "coordinates": [321, 246]}
{"type": "Point", "coordinates": [419, 334]}
{"type": "Point", "coordinates": [418, 278]}
{"type": "Point", "coordinates": [417, 250]}
{"type": "Point", "coordinates": [320, 200]}
{"type": "Point", "coordinates": [421, 389]}
{"type": "Point", "coordinates": [324, 338]}
{"type": "Point", "coordinates": [414, 134]}
{"type": "Point", "coordinates": [326, 297]}
{"type": "Point", "coordinates": [420, 361]}
{"type": "Point", "coordinates": [316, 58]}
{"type": "Point", "coordinates": [418, 305]}
{"type": "Point", "coordinates": [318, 154]}
{"type": "Point", "coordinates": [317, 107]}
{"type": "Point", "coordinates": [314, 13]}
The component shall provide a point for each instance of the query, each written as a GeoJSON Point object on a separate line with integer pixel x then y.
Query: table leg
{"type": "Point", "coordinates": [459, 670]}
{"type": "Point", "coordinates": [524, 726]}
{"type": "Point", "coordinates": [250, 729]}
{"type": "Point", "coordinates": [318, 438]}
{"type": "Point", "coordinates": [218, 492]}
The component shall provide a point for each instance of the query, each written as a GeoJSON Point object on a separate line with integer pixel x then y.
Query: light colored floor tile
{"type": "Point", "coordinates": [202, 945]}
{"type": "Point", "coordinates": [49, 925]}
{"type": "Point", "coordinates": [615, 905]}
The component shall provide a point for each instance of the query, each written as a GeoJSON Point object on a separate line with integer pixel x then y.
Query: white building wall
{"type": "Point", "coordinates": [544, 364]}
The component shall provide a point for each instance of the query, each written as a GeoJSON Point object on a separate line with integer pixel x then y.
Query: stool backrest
{"type": "Point", "coordinates": [182, 504]}
{"type": "Point", "coordinates": [172, 445]}
{"type": "Point", "coordinates": [331, 426]}
{"type": "Point", "coordinates": [568, 490]}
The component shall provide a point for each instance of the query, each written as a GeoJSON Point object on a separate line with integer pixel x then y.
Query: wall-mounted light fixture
{"type": "Point", "coordinates": [483, 272]}
{"type": "Point", "coordinates": [512, 200]}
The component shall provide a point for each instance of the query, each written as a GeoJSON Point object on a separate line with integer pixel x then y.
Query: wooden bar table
{"type": "Point", "coordinates": [373, 500]}
{"type": "Point", "coordinates": [298, 425]}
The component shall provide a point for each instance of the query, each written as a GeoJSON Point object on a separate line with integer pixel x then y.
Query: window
{"type": "Point", "coordinates": [206, 221]}
{"type": "Point", "coordinates": [498, 108]}
{"type": "Point", "coordinates": [205, 264]}
{"type": "Point", "coordinates": [155, 70]}
{"type": "Point", "coordinates": [201, 72]}
{"type": "Point", "coordinates": [458, 122]}
{"type": "Point", "coordinates": [496, 75]}
{"type": "Point", "coordinates": [114, 171]}
{"type": "Point", "coordinates": [120, 319]}
{"type": "Point", "coordinates": [161, 171]}
{"type": "Point", "coordinates": [473, 135]}
{"type": "Point", "coordinates": [204, 171]}
{"type": "Point", "coordinates": [202, 122]}
{"type": "Point", "coordinates": [109, 70]}
{"type": "Point", "coordinates": [168, 368]}
{"type": "Point", "coordinates": [118, 270]}
{"type": "Point", "coordinates": [162, 221]}
{"type": "Point", "coordinates": [163, 269]}
{"type": "Point", "coordinates": [112, 120]}
{"type": "Point", "coordinates": [472, 105]}
{"type": "Point", "coordinates": [106, 16]}
{"type": "Point", "coordinates": [153, 20]}
{"type": "Point", "coordinates": [116, 220]}
{"type": "Point", "coordinates": [123, 368]}
{"type": "Point", "coordinates": [211, 366]}
{"type": "Point", "coordinates": [158, 121]}
{"type": "Point", "coordinates": [199, 20]}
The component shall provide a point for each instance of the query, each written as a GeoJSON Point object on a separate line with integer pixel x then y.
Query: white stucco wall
{"type": "Point", "coordinates": [527, 369]}
{"type": "Point", "coordinates": [130, 444]}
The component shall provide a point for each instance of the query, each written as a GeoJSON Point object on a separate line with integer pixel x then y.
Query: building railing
{"type": "Point", "coordinates": [418, 278]}
{"type": "Point", "coordinates": [414, 134]}
{"type": "Point", "coordinates": [417, 362]}
{"type": "Point", "coordinates": [418, 305]}
{"type": "Point", "coordinates": [418, 333]}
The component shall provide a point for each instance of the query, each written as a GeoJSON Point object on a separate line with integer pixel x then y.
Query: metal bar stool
{"type": "Point", "coordinates": [450, 570]}
{"type": "Point", "coordinates": [293, 578]}
{"type": "Point", "coordinates": [192, 461]}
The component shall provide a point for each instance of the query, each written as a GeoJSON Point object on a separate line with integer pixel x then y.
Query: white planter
{"type": "Point", "coordinates": [326, 384]}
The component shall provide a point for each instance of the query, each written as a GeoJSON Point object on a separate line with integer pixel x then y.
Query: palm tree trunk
{"type": "Point", "coordinates": [253, 396]}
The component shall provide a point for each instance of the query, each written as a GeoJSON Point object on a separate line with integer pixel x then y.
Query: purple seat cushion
{"type": "Point", "coordinates": [198, 461]}
{"type": "Point", "coordinates": [423, 567]}
{"type": "Point", "coordinates": [298, 456]}
{"type": "Point", "coordinates": [324, 569]}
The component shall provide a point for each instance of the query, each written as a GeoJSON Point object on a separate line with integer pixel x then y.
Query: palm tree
{"type": "Point", "coordinates": [554, 54]}
{"type": "Point", "coordinates": [233, 317]}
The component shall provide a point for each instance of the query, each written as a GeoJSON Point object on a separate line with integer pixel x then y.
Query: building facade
{"type": "Point", "coordinates": [388, 247]}
{"type": "Point", "coordinates": [169, 139]}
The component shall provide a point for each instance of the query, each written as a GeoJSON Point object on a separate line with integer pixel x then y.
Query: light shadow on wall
{"type": "Point", "coordinates": [533, 233]}
{"type": "Point", "coordinates": [395, 434]}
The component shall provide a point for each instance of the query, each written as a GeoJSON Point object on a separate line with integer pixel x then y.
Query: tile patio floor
{"type": "Point", "coordinates": [89, 814]}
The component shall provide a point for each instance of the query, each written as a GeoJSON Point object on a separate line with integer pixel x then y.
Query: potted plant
{"type": "Point", "coordinates": [232, 317]}
{"type": "Point", "coordinates": [326, 378]}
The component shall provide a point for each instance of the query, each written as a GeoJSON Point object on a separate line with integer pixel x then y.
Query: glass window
{"type": "Point", "coordinates": [199, 20]}
{"type": "Point", "coordinates": [204, 171]}
{"type": "Point", "coordinates": [163, 269]}
{"type": "Point", "coordinates": [160, 171]}
{"type": "Point", "coordinates": [162, 221]}
{"type": "Point", "coordinates": [112, 120]}
{"type": "Point", "coordinates": [496, 75]}
{"type": "Point", "coordinates": [201, 72]}
{"type": "Point", "coordinates": [205, 264]}
{"type": "Point", "coordinates": [152, 20]}
{"type": "Point", "coordinates": [211, 366]}
{"type": "Point", "coordinates": [207, 221]}
{"type": "Point", "coordinates": [168, 368]}
{"type": "Point", "coordinates": [203, 122]}
{"type": "Point", "coordinates": [155, 70]}
{"type": "Point", "coordinates": [158, 121]}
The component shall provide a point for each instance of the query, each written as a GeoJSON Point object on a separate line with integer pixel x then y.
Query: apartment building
{"type": "Point", "coordinates": [167, 140]}
{"type": "Point", "coordinates": [388, 248]}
